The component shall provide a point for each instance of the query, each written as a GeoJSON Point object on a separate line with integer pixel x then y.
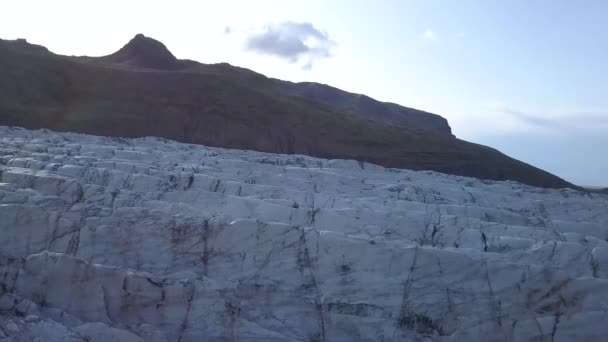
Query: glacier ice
{"type": "Point", "coordinates": [112, 239]}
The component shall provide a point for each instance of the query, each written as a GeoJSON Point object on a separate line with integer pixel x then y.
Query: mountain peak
{"type": "Point", "coordinates": [144, 52]}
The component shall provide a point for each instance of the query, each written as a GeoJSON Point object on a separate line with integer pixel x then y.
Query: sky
{"type": "Point", "coordinates": [528, 77]}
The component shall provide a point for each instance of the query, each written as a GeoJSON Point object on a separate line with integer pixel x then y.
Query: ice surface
{"type": "Point", "coordinates": [111, 239]}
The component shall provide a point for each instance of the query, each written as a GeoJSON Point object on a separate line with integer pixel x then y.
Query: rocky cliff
{"type": "Point", "coordinates": [367, 107]}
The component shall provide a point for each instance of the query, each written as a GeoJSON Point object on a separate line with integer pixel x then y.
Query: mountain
{"type": "Point", "coordinates": [144, 90]}
{"type": "Point", "coordinates": [133, 240]}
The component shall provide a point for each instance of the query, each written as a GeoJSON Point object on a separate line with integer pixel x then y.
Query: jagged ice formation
{"type": "Point", "coordinates": [110, 239]}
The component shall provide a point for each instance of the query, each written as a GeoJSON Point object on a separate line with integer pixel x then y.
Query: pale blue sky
{"type": "Point", "coordinates": [527, 77]}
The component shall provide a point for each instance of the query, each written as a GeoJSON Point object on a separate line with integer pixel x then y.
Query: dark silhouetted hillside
{"type": "Point", "coordinates": [143, 90]}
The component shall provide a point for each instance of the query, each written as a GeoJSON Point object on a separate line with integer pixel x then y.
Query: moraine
{"type": "Point", "coordinates": [111, 239]}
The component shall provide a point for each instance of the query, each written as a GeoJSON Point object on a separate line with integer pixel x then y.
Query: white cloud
{"type": "Point", "coordinates": [293, 42]}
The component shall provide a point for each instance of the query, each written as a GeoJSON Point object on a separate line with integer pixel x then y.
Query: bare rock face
{"type": "Point", "coordinates": [367, 107]}
{"type": "Point", "coordinates": [110, 239]}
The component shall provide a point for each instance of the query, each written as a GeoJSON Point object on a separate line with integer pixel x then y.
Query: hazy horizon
{"type": "Point", "coordinates": [525, 78]}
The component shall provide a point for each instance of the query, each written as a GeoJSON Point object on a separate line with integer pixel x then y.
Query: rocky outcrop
{"type": "Point", "coordinates": [142, 90]}
{"type": "Point", "coordinates": [111, 239]}
{"type": "Point", "coordinates": [367, 107]}
{"type": "Point", "coordinates": [144, 52]}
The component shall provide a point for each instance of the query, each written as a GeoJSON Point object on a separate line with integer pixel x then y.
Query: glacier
{"type": "Point", "coordinates": [113, 239]}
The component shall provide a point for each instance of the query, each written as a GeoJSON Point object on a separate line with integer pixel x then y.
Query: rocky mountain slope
{"type": "Point", "coordinates": [144, 90]}
{"type": "Point", "coordinates": [112, 239]}
{"type": "Point", "coordinates": [367, 107]}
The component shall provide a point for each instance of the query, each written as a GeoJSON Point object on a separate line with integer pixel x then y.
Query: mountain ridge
{"type": "Point", "coordinates": [138, 91]}
{"type": "Point", "coordinates": [146, 52]}
{"type": "Point", "coordinates": [387, 112]}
